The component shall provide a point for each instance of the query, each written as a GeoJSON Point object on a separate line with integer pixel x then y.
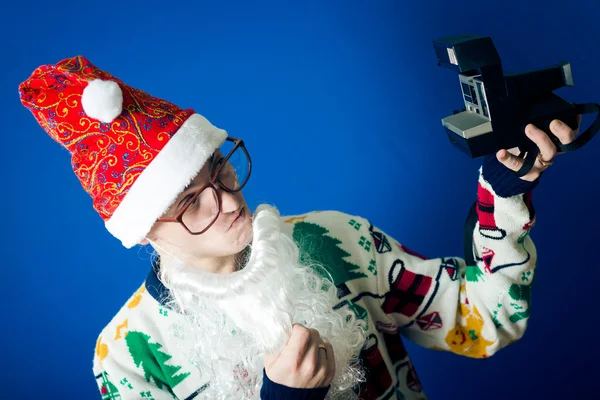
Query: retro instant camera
{"type": "Point", "coordinates": [498, 105]}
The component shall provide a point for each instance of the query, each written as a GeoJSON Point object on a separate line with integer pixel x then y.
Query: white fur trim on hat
{"type": "Point", "coordinates": [164, 179]}
{"type": "Point", "coordinates": [102, 100]}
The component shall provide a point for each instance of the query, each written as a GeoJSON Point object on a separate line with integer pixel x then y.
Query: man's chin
{"type": "Point", "coordinates": [244, 237]}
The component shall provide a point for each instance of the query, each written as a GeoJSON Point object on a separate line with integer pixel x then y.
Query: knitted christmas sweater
{"type": "Point", "coordinates": [438, 303]}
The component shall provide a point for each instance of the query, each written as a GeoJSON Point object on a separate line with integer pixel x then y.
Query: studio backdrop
{"type": "Point", "coordinates": [340, 106]}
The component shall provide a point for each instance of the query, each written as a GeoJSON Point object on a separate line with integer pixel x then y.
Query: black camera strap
{"type": "Point", "coordinates": [579, 142]}
{"type": "Point", "coordinates": [468, 233]}
{"type": "Point", "coordinates": [585, 137]}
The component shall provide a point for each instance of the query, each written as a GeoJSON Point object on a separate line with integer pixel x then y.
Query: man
{"type": "Point", "coordinates": [229, 287]}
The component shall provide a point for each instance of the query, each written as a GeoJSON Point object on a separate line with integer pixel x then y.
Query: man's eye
{"type": "Point", "coordinates": [185, 201]}
{"type": "Point", "coordinates": [218, 163]}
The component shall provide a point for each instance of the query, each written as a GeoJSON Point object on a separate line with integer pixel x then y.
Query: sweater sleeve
{"type": "Point", "coordinates": [470, 310]}
{"type": "Point", "coordinates": [274, 391]}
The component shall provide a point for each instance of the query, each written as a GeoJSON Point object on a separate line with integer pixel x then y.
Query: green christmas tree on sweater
{"type": "Point", "coordinates": [152, 360]}
{"type": "Point", "coordinates": [108, 390]}
{"type": "Point", "coordinates": [316, 246]}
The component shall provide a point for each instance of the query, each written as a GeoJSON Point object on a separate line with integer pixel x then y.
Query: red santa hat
{"type": "Point", "coordinates": [132, 152]}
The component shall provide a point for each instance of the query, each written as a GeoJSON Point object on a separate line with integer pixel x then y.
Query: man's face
{"type": "Point", "coordinates": [235, 319]}
{"type": "Point", "coordinates": [228, 235]}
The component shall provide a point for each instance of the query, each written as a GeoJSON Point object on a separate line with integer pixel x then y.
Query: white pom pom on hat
{"type": "Point", "coordinates": [102, 100]}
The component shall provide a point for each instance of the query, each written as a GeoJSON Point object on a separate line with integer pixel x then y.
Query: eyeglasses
{"type": "Point", "coordinates": [201, 209]}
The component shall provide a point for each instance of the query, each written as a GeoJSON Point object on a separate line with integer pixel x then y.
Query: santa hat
{"type": "Point", "coordinates": [133, 153]}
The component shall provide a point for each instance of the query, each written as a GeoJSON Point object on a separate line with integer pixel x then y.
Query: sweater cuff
{"type": "Point", "coordinates": [271, 390]}
{"type": "Point", "coordinates": [502, 180]}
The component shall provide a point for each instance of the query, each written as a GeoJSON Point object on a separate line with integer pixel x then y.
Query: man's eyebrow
{"type": "Point", "coordinates": [191, 185]}
{"type": "Point", "coordinates": [194, 184]}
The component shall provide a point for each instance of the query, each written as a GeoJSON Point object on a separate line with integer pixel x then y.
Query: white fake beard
{"type": "Point", "coordinates": [239, 317]}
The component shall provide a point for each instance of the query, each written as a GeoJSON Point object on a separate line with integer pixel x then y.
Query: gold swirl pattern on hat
{"type": "Point", "coordinates": [106, 157]}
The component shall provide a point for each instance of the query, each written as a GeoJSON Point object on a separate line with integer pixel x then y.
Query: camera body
{"type": "Point", "coordinates": [497, 105]}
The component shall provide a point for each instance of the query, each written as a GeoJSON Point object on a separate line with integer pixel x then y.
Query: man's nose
{"type": "Point", "coordinates": [229, 201]}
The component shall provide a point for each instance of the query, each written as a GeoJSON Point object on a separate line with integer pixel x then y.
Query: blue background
{"type": "Point", "coordinates": [339, 103]}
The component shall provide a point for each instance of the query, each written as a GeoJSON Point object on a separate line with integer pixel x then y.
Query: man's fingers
{"type": "Point", "coordinates": [509, 160]}
{"type": "Point", "coordinates": [540, 138]}
{"type": "Point", "coordinates": [330, 360]}
{"type": "Point", "coordinates": [562, 131]}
